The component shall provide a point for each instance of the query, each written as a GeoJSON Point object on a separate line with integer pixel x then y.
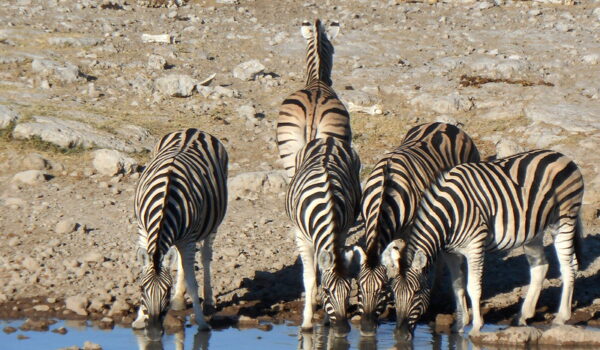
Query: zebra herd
{"type": "Point", "coordinates": [431, 200]}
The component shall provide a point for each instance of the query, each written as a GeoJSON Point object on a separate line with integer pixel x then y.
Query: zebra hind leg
{"type": "Point", "coordinates": [206, 257]}
{"type": "Point", "coordinates": [309, 275]}
{"type": "Point", "coordinates": [178, 301]}
{"type": "Point", "coordinates": [457, 275]}
{"type": "Point", "coordinates": [475, 270]}
{"type": "Point", "coordinates": [538, 267]}
{"type": "Point", "coordinates": [188, 257]}
{"type": "Point", "coordinates": [564, 244]}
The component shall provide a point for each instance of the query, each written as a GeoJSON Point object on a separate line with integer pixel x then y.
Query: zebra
{"type": "Point", "coordinates": [181, 199]}
{"type": "Point", "coordinates": [390, 199]}
{"type": "Point", "coordinates": [323, 201]}
{"type": "Point", "coordinates": [315, 111]}
{"type": "Point", "coordinates": [497, 205]}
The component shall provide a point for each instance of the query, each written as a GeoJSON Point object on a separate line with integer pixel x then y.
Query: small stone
{"type": "Point", "coordinates": [77, 304]}
{"type": "Point", "coordinates": [51, 300]}
{"type": "Point", "coordinates": [14, 203]}
{"type": "Point", "coordinates": [65, 226]}
{"type": "Point", "coordinates": [35, 161]}
{"type": "Point", "coordinates": [31, 177]}
{"type": "Point", "coordinates": [41, 308]}
{"type": "Point", "coordinates": [510, 336]}
{"type": "Point", "coordinates": [30, 264]}
{"type": "Point", "coordinates": [111, 162]}
{"type": "Point", "coordinates": [156, 62]}
{"type": "Point", "coordinates": [9, 329]}
{"type": "Point", "coordinates": [60, 330]}
{"type": "Point", "coordinates": [88, 345]}
{"type": "Point", "coordinates": [66, 73]}
{"type": "Point", "coordinates": [35, 325]}
{"type": "Point", "coordinates": [443, 322]}
{"type": "Point", "coordinates": [119, 307]}
{"type": "Point", "coordinates": [593, 58]}
{"type": "Point", "coordinates": [505, 148]}
{"type": "Point", "coordinates": [176, 85]}
{"type": "Point", "coordinates": [248, 70]}
{"type": "Point", "coordinates": [7, 116]}
{"type": "Point", "coordinates": [159, 38]}
{"type": "Point", "coordinates": [106, 323]}
{"type": "Point", "coordinates": [93, 257]}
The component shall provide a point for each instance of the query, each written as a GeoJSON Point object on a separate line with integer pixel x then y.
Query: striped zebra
{"type": "Point", "coordinates": [497, 205]}
{"type": "Point", "coordinates": [315, 111]}
{"type": "Point", "coordinates": [390, 200]}
{"type": "Point", "coordinates": [181, 199]}
{"type": "Point", "coordinates": [323, 202]}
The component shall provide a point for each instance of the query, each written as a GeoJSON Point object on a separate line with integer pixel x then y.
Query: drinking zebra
{"type": "Point", "coordinates": [315, 111]}
{"type": "Point", "coordinates": [181, 199]}
{"type": "Point", "coordinates": [497, 205]}
{"type": "Point", "coordinates": [391, 197]}
{"type": "Point", "coordinates": [323, 202]}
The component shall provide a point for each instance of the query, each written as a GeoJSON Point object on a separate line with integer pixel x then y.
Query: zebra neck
{"type": "Point", "coordinates": [319, 59]}
{"type": "Point", "coordinates": [430, 243]}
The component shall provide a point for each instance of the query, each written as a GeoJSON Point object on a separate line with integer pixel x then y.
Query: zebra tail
{"type": "Point", "coordinates": [372, 236]}
{"type": "Point", "coordinates": [578, 243]}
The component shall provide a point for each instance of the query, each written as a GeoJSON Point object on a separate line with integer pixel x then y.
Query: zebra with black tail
{"type": "Point", "coordinates": [390, 200]}
{"type": "Point", "coordinates": [496, 205]}
{"type": "Point", "coordinates": [323, 202]}
{"type": "Point", "coordinates": [181, 199]}
{"type": "Point", "coordinates": [315, 111]}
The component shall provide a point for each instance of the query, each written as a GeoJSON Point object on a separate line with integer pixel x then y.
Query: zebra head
{"type": "Point", "coordinates": [336, 286]}
{"type": "Point", "coordinates": [156, 283]}
{"type": "Point", "coordinates": [372, 292]}
{"type": "Point", "coordinates": [409, 286]}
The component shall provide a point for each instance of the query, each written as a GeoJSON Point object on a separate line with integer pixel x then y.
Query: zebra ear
{"type": "Point", "coordinates": [390, 258]}
{"type": "Point", "coordinates": [352, 261]}
{"type": "Point", "coordinates": [306, 30]}
{"type": "Point", "coordinates": [419, 261]}
{"type": "Point", "coordinates": [169, 258]}
{"type": "Point", "coordinates": [325, 260]}
{"type": "Point", "coordinates": [333, 30]}
{"type": "Point", "coordinates": [142, 256]}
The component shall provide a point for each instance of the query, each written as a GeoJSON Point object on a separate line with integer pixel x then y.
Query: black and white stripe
{"type": "Point", "coordinates": [497, 205]}
{"type": "Point", "coordinates": [181, 199]}
{"type": "Point", "coordinates": [315, 111]}
{"type": "Point", "coordinates": [323, 202]}
{"type": "Point", "coordinates": [391, 197]}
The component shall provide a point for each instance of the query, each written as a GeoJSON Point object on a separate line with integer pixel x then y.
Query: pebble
{"type": "Point", "coordinates": [156, 62]}
{"type": "Point", "coordinates": [9, 329]}
{"type": "Point", "coordinates": [93, 257]}
{"type": "Point", "coordinates": [30, 264]}
{"type": "Point", "coordinates": [158, 38]}
{"type": "Point", "coordinates": [77, 304]}
{"type": "Point", "coordinates": [41, 308]}
{"type": "Point", "coordinates": [65, 226]}
{"type": "Point", "coordinates": [31, 177]}
{"type": "Point", "coordinates": [60, 330]}
{"type": "Point", "coordinates": [111, 162]}
{"type": "Point", "coordinates": [35, 325]}
{"type": "Point", "coordinates": [248, 70]}
{"type": "Point", "coordinates": [88, 345]}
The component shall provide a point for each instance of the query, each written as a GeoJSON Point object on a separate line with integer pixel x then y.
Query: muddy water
{"type": "Point", "coordinates": [280, 337]}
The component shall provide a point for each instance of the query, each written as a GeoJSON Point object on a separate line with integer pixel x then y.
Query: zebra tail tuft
{"type": "Point", "coordinates": [578, 243]}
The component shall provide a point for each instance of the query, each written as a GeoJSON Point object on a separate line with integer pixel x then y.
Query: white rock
{"type": "Point", "coordinates": [506, 147]}
{"type": "Point", "coordinates": [70, 133]}
{"type": "Point", "coordinates": [88, 345]}
{"type": "Point", "coordinates": [74, 42]}
{"type": "Point", "coordinates": [156, 62]}
{"type": "Point", "coordinates": [569, 336]}
{"type": "Point", "coordinates": [118, 307]}
{"type": "Point", "coordinates": [65, 226]}
{"type": "Point", "coordinates": [30, 264]}
{"type": "Point", "coordinates": [35, 161]}
{"type": "Point", "coordinates": [66, 73]}
{"type": "Point", "coordinates": [158, 38]}
{"type": "Point", "coordinates": [77, 304]}
{"type": "Point", "coordinates": [593, 58]}
{"type": "Point", "coordinates": [447, 119]}
{"type": "Point", "coordinates": [111, 162]}
{"type": "Point", "coordinates": [496, 67]}
{"type": "Point", "coordinates": [571, 117]}
{"type": "Point", "coordinates": [93, 256]}
{"type": "Point", "coordinates": [30, 177]}
{"type": "Point", "coordinates": [249, 185]}
{"type": "Point", "coordinates": [42, 308]}
{"type": "Point", "coordinates": [7, 116]}
{"type": "Point", "coordinates": [176, 85]}
{"type": "Point", "coordinates": [248, 70]}
{"type": "Point", "coordinates": [14, 203]}
{"type": "Point", "coordinates": [452, 103]}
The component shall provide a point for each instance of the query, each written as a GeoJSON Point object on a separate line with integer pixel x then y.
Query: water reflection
{"type": "Point", "coordinates": [201, 340]}
{"type": "Point", "coordinates": [321, 338]}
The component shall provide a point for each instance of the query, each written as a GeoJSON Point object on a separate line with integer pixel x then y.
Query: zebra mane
{"type": "Point", "coordinates": [319, 52]}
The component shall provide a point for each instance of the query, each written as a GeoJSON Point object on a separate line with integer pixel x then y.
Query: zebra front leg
{"type": "Point", "coordinates": [178, 301]}
{"type": "Point", "coordinates": [457, 275]}
{"type": "Point", "coordinates": [206, 258]}
{"type": "Point", "coordinates": [564, 245]}
{"type": "Point", "coordinates": [538, 267]}
{"type": "Point", "coordinates": [309, 276]}
{"type": "Point", "coordinates": [475, 269]}
{"type": "Point", "coordinates": [188, 257]}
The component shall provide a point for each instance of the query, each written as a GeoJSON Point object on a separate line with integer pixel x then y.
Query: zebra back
{"type": "Point", "coordinates": [513, 198]}
{"type": "Point", "coordinates": [396, 184]}
{"type": "Point", "coordinates": [323, 197]}
{"type": "Point", "coordinates": [182, 193]}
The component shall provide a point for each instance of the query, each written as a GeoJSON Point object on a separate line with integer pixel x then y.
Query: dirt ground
{"type": "Point", "coordinates": [515, 75]}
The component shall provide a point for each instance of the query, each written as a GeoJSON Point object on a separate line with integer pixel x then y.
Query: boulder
{"type": "Point", "coordinates": [111, 162]}
{"type": "Point", "coordinates": [570, 336]}
{"type": "Point", "coordinates": [63, 72]}
{"type": "Point", "coordinates": [176, 85]}
{"type": "Point", "coordinates": [509, 336]}
{"type": "Point", "coordinates": [77, 304]}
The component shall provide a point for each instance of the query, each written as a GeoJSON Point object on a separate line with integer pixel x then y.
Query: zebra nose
{"type": "Point", "coordinates": [154, 331]}
{"type": "Point", "coordinates": [368, 326]}
{"type": "Point", "coordinates": [402, 331]}
{"type": "Point", "coordinates": [341, 328]}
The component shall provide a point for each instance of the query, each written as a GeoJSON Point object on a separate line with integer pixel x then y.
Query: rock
{"type": "Point", "coordinates": [60, 330]}
{"type": "Point", "coordinates": [509, 336]}
{"type": "Point", "coordinates": [77, 304]}
{"type": "Point", "coordinates": [31, 177]}
{"type": "Point", "coordinates": [158, 38]}
{"type": "Point", "coordinates": [248, 70]}
{"type": "Point", "coordinates": [570, 336]}
{"type": "Point", "coordinates": [507, 147]}
{"type": "Point", "coordinates": [156, 62]}
{"type": "Point", "coordinates": [7, 116]}
{"type": "Point", "coordinates": [35, 325]}
{"type": "Point", "coordinates": [119, 307]}
{"type": "Point", "coordinates": [245, 321]}
{"type": "Point", "coordinates": [443, 323]}
{"type": "Point", "coordinates": [496, 67]}
{"type": "Point", "coordinates": [70, 134]}
{"type": "Point", "coordinates": [176, 85]}
{"type": "Point", "coordinates": [88, 345]}
{"type": "Point", "coordinates": [593, 58]}
{"type": "Point", "coordinates": [358, 98]}
{"type": "Point", "coordinates": [106, 323]}
{"type": "Point", "coordinates": [93, 256]}
{"type": "Point", "coordinates": [65, 226]}
{"type": "Point", "coordinates": [9, 329]}
{"type": "Point", "coordinates": [74, 42]}
{"type": "Point", "coordinates": [35, 161]}
{"type": "Point", "coordinates": [248, 185]}
{"type": "Point", "coordinates": [111, 162]}
{"type": "Point", "coordinates": [14, 203]}
{"type": "Point", "coordinates": [173, 324]}
{"type": "Point", "coordinates": [447, 119]}
{"type": "Point", "coordinates": [571, 117]}
{"type": "Point", "coordinates": [66, 73]}
{"type": "Point", "coordinates": [41, 308]}
{"type": "Point", "coordinates": [452, 103]}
